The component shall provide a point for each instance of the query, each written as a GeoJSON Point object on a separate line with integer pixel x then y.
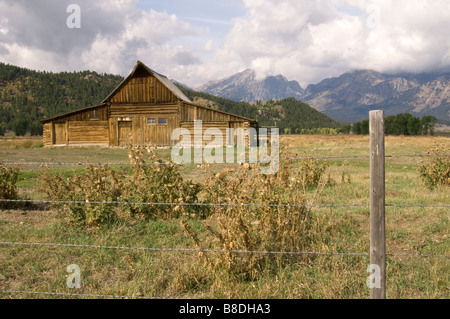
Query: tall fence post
{"type": "Point", "coordinates": [377, 204]}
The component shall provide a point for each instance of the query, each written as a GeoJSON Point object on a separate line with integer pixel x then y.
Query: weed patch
{"type": "Point", "coordinates": [436, 171]}
{"type": "Point", "coordinates": [8, 180]}
{"type": "Point", "coordinates": [280, 221]}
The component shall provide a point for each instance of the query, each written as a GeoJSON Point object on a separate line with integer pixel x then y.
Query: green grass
{"type": "Point", "coordinates": [411, 230]}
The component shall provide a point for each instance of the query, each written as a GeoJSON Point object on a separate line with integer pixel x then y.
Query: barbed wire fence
{"type": "Point", "coordinates": [192, 250]}
{"type": "Point", "coordinates": [184, 164]}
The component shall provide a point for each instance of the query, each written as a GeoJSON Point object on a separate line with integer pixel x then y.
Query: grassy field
{"type": "Point", "coordinates": [174, 274]}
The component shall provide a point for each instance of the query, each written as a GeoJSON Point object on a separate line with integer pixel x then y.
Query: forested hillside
{"type": "Point", "coordinates": [400, 124]}
{"type": "Point", "coordinates": [27, 96]}
{"type": "Point", "coordinates": [219, 103]}
{"type": "Point", "coordinates": [290, 115]}
{"type": "Point", "coordinates": [293, 116]}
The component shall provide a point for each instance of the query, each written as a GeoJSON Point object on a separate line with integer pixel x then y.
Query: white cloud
{"type": "Point", "coordinates": [208, 46]}
{"type": "Point", "coordinates": [310, 40]}
{"type": "Point", "coordinates": [147, 36]}
{"type": "Point", "coordinates": [112, 37]}
{"type": "Point", "coordinates": [301, 39]}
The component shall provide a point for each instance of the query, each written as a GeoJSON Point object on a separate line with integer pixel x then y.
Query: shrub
{"type": "Point", "coordinates": [36, 129]}
{"type": "Point", "coordinates": [20, 127]}
{"type": "Point", "coordinates": [270, 227]}
{"type": "Point", "coordinates": [3, 128]}
{"type": "Point", "coordinates": [436, 171]}
{"type": "Point", "coordinates": [95, 184]}
{"type": "Point", "coordinates": [99, 186]}
{"type": "Point", "coordinates": [157, 184]}
{"type": "Point", "coordinates": [310, 172]}
{"type": "Point", "coordinates": [8, 180]}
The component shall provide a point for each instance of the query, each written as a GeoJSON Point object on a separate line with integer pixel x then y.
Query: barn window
{"type": "Point", "coordinates": [94, 114]}
{"type": "Point", "coordinates": [162, 120]}
{"type": "Point", "coordinates": [151, 120]}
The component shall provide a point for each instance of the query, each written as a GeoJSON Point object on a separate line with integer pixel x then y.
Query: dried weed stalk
{"type": "Point", "coordinates": [259, 228]}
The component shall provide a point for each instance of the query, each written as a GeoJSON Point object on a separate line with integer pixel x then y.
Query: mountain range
{"type": "Point", "coordinates": [26, 96]}
{"type": "Point", "coordinates": [348, 97]}
{"type": "Point", "coordinates": [245, 87]}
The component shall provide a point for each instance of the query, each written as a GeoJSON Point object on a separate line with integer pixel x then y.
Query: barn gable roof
{"type": "Point", "coordinates": [46, 120]}
{"type": "Point", "coordinates": [223, 112]}
{"type": "Point", "coordinates": [162, 78]}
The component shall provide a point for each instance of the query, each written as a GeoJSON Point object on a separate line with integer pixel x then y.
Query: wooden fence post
{"type": "Point", "coordinates": [377, 203]}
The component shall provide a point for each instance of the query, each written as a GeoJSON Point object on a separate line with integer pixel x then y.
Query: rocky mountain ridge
{"type": "Point", "coordinates": [348, 97]}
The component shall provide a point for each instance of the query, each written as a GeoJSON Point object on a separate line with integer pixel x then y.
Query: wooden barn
{"type": "Point", "coordinates": [142, 111]}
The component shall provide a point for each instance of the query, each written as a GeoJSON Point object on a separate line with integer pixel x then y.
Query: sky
{"type": "Point", "coordinates": [196, 41]}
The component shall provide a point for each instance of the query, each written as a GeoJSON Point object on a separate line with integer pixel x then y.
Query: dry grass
{"type": "Point", "coordinates": [20, 142]}
{"type": "Point", "coordinates": [180, 274]}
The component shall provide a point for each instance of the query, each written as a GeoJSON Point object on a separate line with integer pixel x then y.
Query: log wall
{"type": "Point", "coordinates": [47, 134]}
{"type": "Point", "coordinates": [143, 88]}
{"type": "Point", "coordinates": [88, 132]}
{"type": "Point", "coordinates": [145, 129]}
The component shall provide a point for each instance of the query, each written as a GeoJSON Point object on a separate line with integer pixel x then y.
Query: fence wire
{"type": "Point", "coordinates": [198, 250]}
{"type": "Point", "coordinates": [171, 163]}
{"type": "Point", "coordinates": [194, 250]}
{"type": "Point", "coordinates": [77, 295]}
{"type": "Point", "coordinates": [417, 205]}
{"type": "Point", "coordinates": [87, 202]}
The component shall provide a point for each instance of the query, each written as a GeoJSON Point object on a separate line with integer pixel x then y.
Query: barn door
{"type": "Point", "coordinates": [158, 131]}
{"type": "Point", "coordinates": [162, 132]}
{"type": "Point", "coordinates": [59, 133]}
{"type": "Point", "coordinates": [125, 132]}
